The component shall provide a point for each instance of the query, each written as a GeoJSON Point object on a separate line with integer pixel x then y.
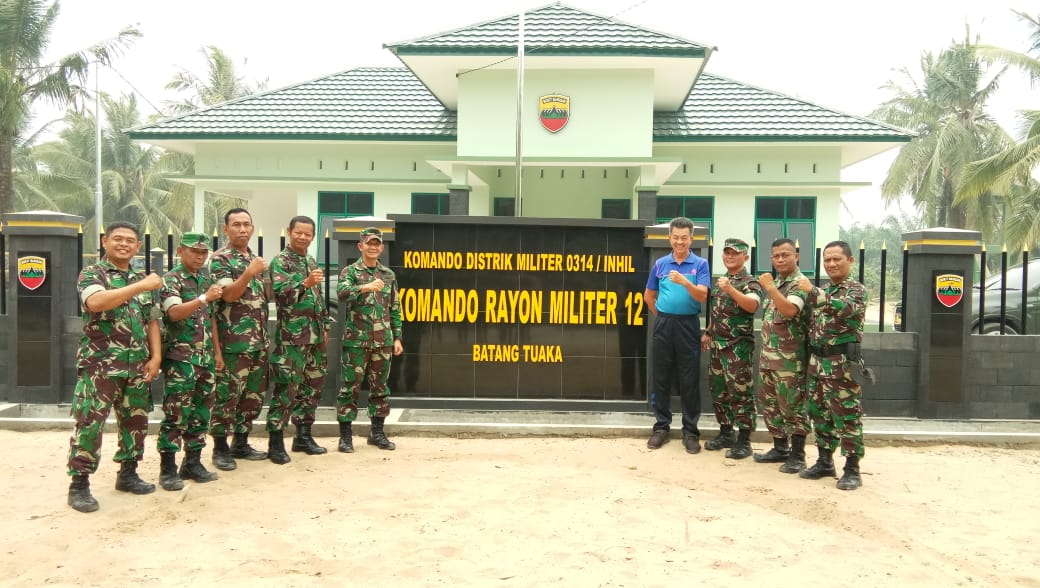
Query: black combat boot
{"type": "Point", "coordinates": [796, 459]}
{"type": "Point", "coordinates": [168, 478]}
{"type": "Point", "coordinates": [824, 466]}
{"type": "Point", "coordinates": [240, 448]}
{"type": "Point", "coordinates": [192, 468]}
{"type": "Point", "coordinates": [777, 454]}
{"type": "Point", "coordinates": [346, 437]}
{"type": "Point", "coordinates": [79, 494]}
{"type": "Point", "coordinates": [304, 442]}
{"type": "Point", "coordinates": [850, 480]}
{"type": "Point", "coordinates": [128, 481]}
{"type": "Point", "coordinates": [377, 437]}
{"type": "Point", "coordinates": [222, 457]}
{"type": "Point", "coordinates": [276, 448]}
{"type": "Point", "coordinates": [742, 448]}
{"type": "Point", "coordinates": [726, 439]}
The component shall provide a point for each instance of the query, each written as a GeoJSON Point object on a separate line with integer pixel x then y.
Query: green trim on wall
{"type": "Point", "coordinates": [144, 135]}
{"type": "Point", "coordinates": [547, 51]}
{"type": "Point", "coordinates": [781, 139]}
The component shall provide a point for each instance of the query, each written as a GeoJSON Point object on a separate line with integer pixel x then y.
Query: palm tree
{"type": "Point", "coordinates": [25, 29]}
{"type": "Point", "coordinates": [222, 83]}
{"type": "Point", "coordinates": [947, 112]}
{"type": "Point", "coordinates": [1011, 173]}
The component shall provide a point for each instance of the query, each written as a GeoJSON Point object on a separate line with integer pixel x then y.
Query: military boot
{"type": "Point", "coordinates": [128, 481]}
{"type": "Point", "coordinates": [796, 459]}
{"type": "Point", "coordinates": [742, 448]}
{"type": "Point", "coordinates": [346, 437]}
{"type": "Point", "coordinates": [824, 466]}
{"type": "Point", "coordinates": [304, 442]}
{"type": "Point", "coordinates": [726, 439]}
{"type": "Point", "coordinates": [192, 468]}
{"type": "Point", "coordinates": [241, 449]}
{"type": "Point", "coordinates": [168, 478]}
{"type": "Point", "coordinates": [850, 480]}
{"type": "Point", "coordinates": [79, 494]}
{"type": "Point", "coordinates": [222, 457]}
{"type": "Point", "coordinates": [276, 448]}
{"type": "Point", "coordinates": [377, 437]}
{"type": "Point", "coordinates": [777, 454]}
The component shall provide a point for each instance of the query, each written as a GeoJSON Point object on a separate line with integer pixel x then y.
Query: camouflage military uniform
{"type": "Point", "coordinates": [834, 395]}
{"type": "Point", "coordinates": [188, 364]}
{"type": "Point", "coordinates": [731, 332]}
{"type": "Point", "coordinates": [242, 328]}
{"type": "Point", "coordinates": [372, 323]}
{"type": "Point", "coordinates": [782, 362]}
{"type": "Point", "coordinates": [110, 364]}
{"type": "Point", "coordinates": [298, 364]}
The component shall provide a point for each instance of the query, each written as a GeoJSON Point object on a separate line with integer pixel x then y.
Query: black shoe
{"type": "Point", "coordinates": [377, 437]}
{"type": "Point", "coordinates": [658, 438]}
{"type": "Point", "coordinates": [192, 468]}
{"type": "Point", "coordinates": [778, 454]}
{"type": "Point", "coordinates": [222, 458]}
{"type": "Point", "coordinates": [276, 448]}
{"type": "Point", "coordinates": [850, 480]}
{"type": "Point", "coordinates": [725, 440]}
{"type": "Point", "coordinates": [795, 461]}
{"type": "Point", "coordinates": [241, 449]}
{"type": "Point", "coordinates": [742, 448]}
{"type": "Point", "coordinates": [168, 478]}
{"type": "Point", "coordinates": [692, 443]}
{"type": "Point", "coordinates": [824, 466]}
{"type": "Point", "coordinates": [79, 494]}
{"type": "Point", "coordinates": [305, 443]}
{"type": "Point", "coordinates": [346, 437]}
{"type": "Point", "coordinates": [128, 481]}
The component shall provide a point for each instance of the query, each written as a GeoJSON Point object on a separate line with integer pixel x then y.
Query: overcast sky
{"type": "Point", "coordinates": [837, 54]}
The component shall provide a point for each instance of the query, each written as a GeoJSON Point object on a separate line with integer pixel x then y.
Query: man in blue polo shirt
{"type": "Point", "coordinates": [677, 286]}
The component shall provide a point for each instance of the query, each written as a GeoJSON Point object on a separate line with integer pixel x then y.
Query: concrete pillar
{"type": "Point", "coordinates": [646, 205]}
{"type": "Point", "coordinates": [43, 305]}
{"type": "Point", "coordinates": [940, 277]}
{"type": "Point", "coordinates": [458, 200]}
{"type": "Point", "coordinates": [199, 218]}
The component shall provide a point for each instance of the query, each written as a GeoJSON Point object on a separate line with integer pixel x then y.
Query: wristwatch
{"type": "Point", "coordinates": [815, 292]}
{"type": "Point", "coordinates": [202, 298]}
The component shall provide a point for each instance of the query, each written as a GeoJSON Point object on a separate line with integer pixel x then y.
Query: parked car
{"type": "Point", "coordinates": [1013, 303]}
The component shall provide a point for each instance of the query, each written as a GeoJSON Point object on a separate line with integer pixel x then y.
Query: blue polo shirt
{"type": "Point", "coordinates": [673, 298]}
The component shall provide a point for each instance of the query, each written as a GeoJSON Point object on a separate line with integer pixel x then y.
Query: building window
{"type": "Point", "coordinates": [504, 207]}
{"type": "Point", "coordinates": [699, 209]}
{"type": "Point", "coordinates": [333, 205]}
{"type": "Point", "coordinates": [423, 203]}
{"type": "Point", "coordinates": [794, 218]}
{"type": "Point", "coordinates": [616, 208]}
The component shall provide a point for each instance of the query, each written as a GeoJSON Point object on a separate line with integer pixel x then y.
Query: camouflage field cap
{"type": "Point", "coordinates": [195, 240]}
{"type": "Point", "coordinates": [371, 233]}
{"type": "Point", "coordinates": [738, 245]}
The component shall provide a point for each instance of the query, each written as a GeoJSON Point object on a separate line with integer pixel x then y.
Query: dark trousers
{"type": "Point", "coordinates": [676, 349]}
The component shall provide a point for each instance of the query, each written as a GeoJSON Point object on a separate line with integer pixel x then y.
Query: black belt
{"type": "Point", "coordinates": [676, 316]}
{"type": "Point", "coordinates": [824, 350]}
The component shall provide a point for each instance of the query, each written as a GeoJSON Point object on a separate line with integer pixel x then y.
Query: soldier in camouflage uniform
{"type": "Point", "coordinates": [783, 359]}
{"type": "Point", "coordinates": [119, 355]}
{"type": "Point", "coordinates": [371, 332]}
{"type": "Point", "coordinates": [298, 363]}
{"type": "Point", "coordinates": [242, 326]}
{"type": "Point", "coordinates": [730, 339]}
{"type": "Point", "coordinates": [834, 348]}
{"type": "Point", "coordinates": [190, 359]}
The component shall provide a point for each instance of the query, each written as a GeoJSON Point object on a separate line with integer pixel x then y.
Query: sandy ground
{"type": "Point", "coordinates": [527, 512]}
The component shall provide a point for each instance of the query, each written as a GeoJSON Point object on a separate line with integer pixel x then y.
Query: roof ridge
{"type": "Point", "coordinates": [391, 46]}
{"type": "Point", "coordinates": [797, 99]}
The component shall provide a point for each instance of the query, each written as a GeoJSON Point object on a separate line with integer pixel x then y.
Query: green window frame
{"type": "Point", "coordinates": [699, 209]}
{"type": "Point", "coordinates": [333, 205]}
{"type": "Point", "coordinates": [430, 203]}
{"type": "Point", "coordinates": [503, 206]}
{"type": "Point", "coordinates": [790, 217]}
{"type": "Point", "coordinates": [616, 208]}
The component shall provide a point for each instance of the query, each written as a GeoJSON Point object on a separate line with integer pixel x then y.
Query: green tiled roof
{"type": "Point", "coordinates": [720, 109]}
{"type": "Point", "coordinates": [363, 103]}
{"type": "Point", "coordinates": [391, 104]}
{"type": "Point", "coordinates": [555, 29]}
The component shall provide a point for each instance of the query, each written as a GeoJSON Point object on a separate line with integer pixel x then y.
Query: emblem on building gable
{"type": "Point", "coordinates": [32, 271]}
{"type": "Point", "coordinates": [949, 289]}
{"type": "Point", "coordinates": [554, 110]}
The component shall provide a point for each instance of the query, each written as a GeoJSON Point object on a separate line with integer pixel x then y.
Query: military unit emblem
{"type": "Point", "coordinates": [949, 289]}
{"type": "Point", "coordinates": [32, 271]}
{"type": "Point", "coordinates": [554, 110]}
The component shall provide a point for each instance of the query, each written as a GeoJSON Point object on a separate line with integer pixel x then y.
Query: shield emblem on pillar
{"type": "Point", "coordinates": [554, 110]}
{"type": "Point", "coordinates": [32, 271]}
{"type": "Point", "coordinates": [949, 289]}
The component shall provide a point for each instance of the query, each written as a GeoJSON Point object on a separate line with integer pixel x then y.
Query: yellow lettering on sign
{"type": "Point", "coordinates": [543, 354]}
{"type": "Point", "coordinates": [496, 353]}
